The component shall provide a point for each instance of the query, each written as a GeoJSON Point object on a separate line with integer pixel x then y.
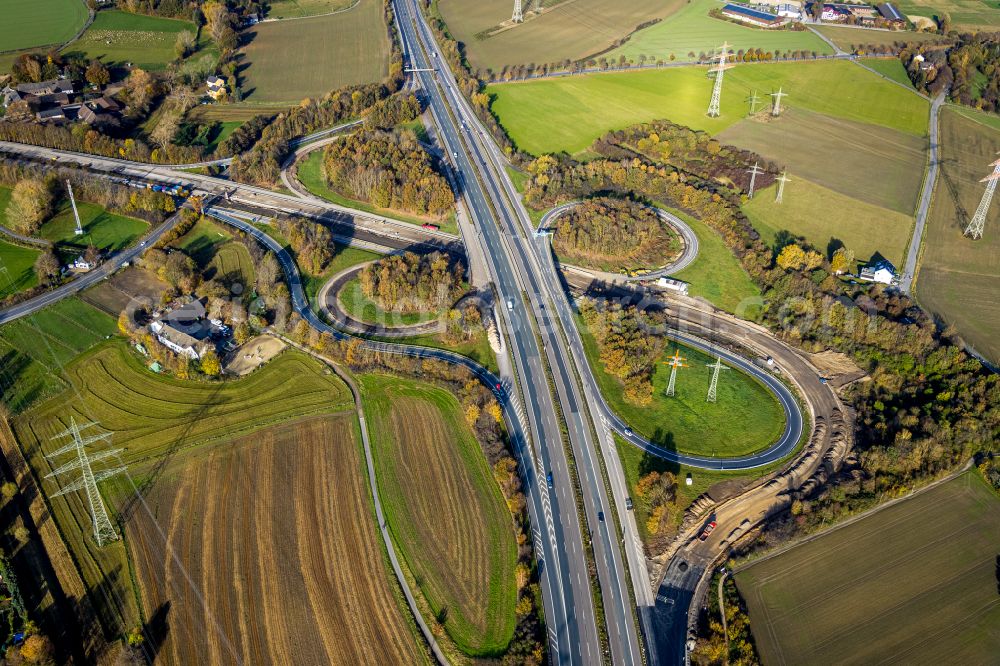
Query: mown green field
{"type": "Point", "coordinates": [891, 68]}
{"type": "Point", "coordinates": [310, 174]}
{"type": "Point", "coordinates": [203, 240]}
{"type": "Point", "coordinates": [287, 61]}
{"type": "Point", "coordinates": [119, 37]}
{"type": "Point", "coordinates": [31, 23]}
{"type": "Point", "coordinates": [280, 9]}
{"type": "Point", "coordinates": [959, 278]}
{"type": "Point", "coordinates": [104, 230]}
{"type": "Point", "coordinates": [17, 268]}
{"type": "Point", "coordinates": [716, 274]}
{"type": "Point", "coordinates": [573, 30]}
{"type": "Point", "coordinates": [154, 418]}
{"type": "Point", "coordinates": [976, 15]}
{"type": "Point", "coordinates": [232, 265]}
{"type": "Point", "coordinates": [823, 216]}
{"type": "Point", "coordinates": [746, 417]}
{"type": "Point", "coordinates": [913, 583]}
{"type": "Point", "coordinates": [691, 32]}
{"type": "Point", "coordinates": [444, 509]}
{"type": "Point", "coordinates": [567, 114]}
{"type": "Point", "coordinates": [35, 349]}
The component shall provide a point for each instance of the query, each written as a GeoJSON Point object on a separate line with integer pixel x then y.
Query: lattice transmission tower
{"type": "Point", "coordinates": [754, 100]}
{"type": "Point", "coordinates": [716, 368]}
{"type": "Point", "coordinates": [719, 69]}
{"type": "Point", "coordinates": [975, 228]}
{"type": "Point", "coordinates": [754, 172]}
{"type": "Point", "coordinates": [518, 16]}
{"type": "Point", "coordinates": [676, 361]}
{"type": "Point", "coordinates": [776, 105]}
{"type": "Point", "coordinates": [104, 531]}
{"type": "Point", "coordinates": [76, 215]}
{"type": "Point", "coordinates": [782, 179]}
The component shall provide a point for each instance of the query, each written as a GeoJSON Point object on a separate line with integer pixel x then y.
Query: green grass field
{"type": "Point", "coordinates": [717, 275]}
{"type": "Point", "coordinates": [119, 37]}
{"type": "Point", "coordinates": [31, 23]}
{"type": "Point", "coordinates": [202, 241]}
{"type": "Point", "coordinates": [155, 418]}
{"type": "Point", "coordinates": [19, 265]}
{"type": "Point", "coordinates": [692, 30]}
{"type": "Point", "coordinates": [444, 509]}
{"type": "Point", "coordinates": [568, 31]}
{"type": "Point", "coordinates": [913, 583]}
{"type": "Point", "coordinates": [567, 114]}
{"type": "Point", "coordinates": [366, 310]}
{"type": "Point", "coordinates": [232, 265]}
{"type": "Point", "coordinates": [959, 278]}
{"type": "Point", "coordinates": [103, 230]}
{"type": "Point", "coordinates": [287, 61]}
{"type": "Point", "coordinates": [35, 349]}
{"type": "Point", "coordinates": [746, 417]}
{"type": "Point", "coordinates": [310, 174]}
{"type": "Point", "coordinates": [891, 68]}
{"type": "Point", "coordinates": [976, 15]}
{"type": "Point", "coordinates": [298, 8]}
{"type": "Point", "coordinates": [848, 38]}
{"type": "Point", "coordinates": [821, 215]}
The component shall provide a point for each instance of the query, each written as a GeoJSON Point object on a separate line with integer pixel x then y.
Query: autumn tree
{"type": "Point", "coordinates": [210, 364]}
{"type": "Point", "coordinates": [140, 89]}
{"type": "Point", "coordinates": [185, 44]}
{"type": "Point", "coordinates": [47, 266]}
{"type": "Point", "coordinates": [841, 260]}
{"type": "Point", "coordinates": [792, 257]}
{"type": "Point", "coordinates": [30, 203]}
{"type": "Point", "coordinates": [37, 649]}
{"type": "Point", "coordinates": [97, 73]}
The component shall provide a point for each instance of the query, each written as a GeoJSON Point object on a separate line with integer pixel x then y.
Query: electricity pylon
{"type": "Point", "coordinates": [76, 215]}
{"type": "Point", "coordinates": [104, 531]}
{"type": "Point", "coordinates": [754, 101]}
{"type": "Point", "coordinates": [676, 361]}
{"type": "Point", "coordinates": [518, 16]}
{"type": "Point", "coordinates": [713, 106]}
{"type": "Point", "coordinates": [782, 179]}
{"type": "Point", "coordinates": [716, 367]}
{"type": "Point", "coordinates": [776, 107]}
{"type": "Point", "coordinates": [753, 178]}
{"type": "Point", "coordinates": [975, 228]}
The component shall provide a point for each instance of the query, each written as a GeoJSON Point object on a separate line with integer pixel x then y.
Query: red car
{"type": "Point", "coordinates": [708, 530]}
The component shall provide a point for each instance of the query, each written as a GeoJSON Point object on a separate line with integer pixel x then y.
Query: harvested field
{"type": "Point", "coordinates": [288, 60]}
{"type": "Point", "coordinates": [975, 15]}
{"type": "Point", "coordinates": [875, 164]}
{"type": "Point", "coordinates": [252, 354]}
{"type": "Point", "coordinates": [959, 278]}
{"type": "Point", "coordinates": [157, 420]}
{"type": "Point", "coordinates": [847, 38]}
{"type": "Point", "coordinates": [255, 574]}
{"type": "Point", "coordinates": [280, 9]}
{"type": "Point", "coordinates": [569, 30]}
{"type": "Point", "coordinates": [133, 284]}
{"type": "Point", "coordinates": [445, 510]}
{"type": "Point", "coordinates": [912, 583]}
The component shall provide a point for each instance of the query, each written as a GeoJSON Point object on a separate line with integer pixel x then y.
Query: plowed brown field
{"type": "Point", "coordinates": [264, 551]}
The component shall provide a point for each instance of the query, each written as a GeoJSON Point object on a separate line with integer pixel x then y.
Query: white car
{"type": "Point", "coordinates": [510, 303]}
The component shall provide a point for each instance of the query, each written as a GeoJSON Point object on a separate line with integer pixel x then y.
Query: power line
{"type": "Point", "coordinates": [518, 16]}
{"type": "Point", "coordinates": [716, 367]}
{"type": "Point", "coordinates": [753, 178]}
{"type": "Point", "coordinates": [782, 179]}
{"type": "Point", "coordinates": [975, 228]}
{"type": "Point", "coordinates": [776, 107]}
{"type": "Point", "coordinates": [720, 69]}
{"type": "Point", "coordinates": [676, 361]}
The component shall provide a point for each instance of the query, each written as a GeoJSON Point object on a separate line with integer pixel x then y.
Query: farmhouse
{"type": "Point", "coordinates": [177, 340]}
{"type": "Point", "coordinates": [9, 96]}
{"type": "Point", "coordinates": [752, 16]}
{"type": "Point", "coordinates": [891, 14]}
{"type": "Point", "coordinates": [881, 271]}
{"type": "Point", "coordinates": [101, 112]}
{"type": "Point", "coordinates": [216, 87]}
{"type": "Point", "coordinates": [51, 87]}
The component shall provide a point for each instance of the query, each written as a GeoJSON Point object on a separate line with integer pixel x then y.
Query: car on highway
{"type": "Point", "coordinates": [600, 516]}
{"type": "Point", "coordinates": [707, 531]}
{"type": "Point", "coordinates": [510, 303]}
{"type": "Point", "coordinates": [548, 479]}
{"type": "Point", "coordinates": [628, 503]}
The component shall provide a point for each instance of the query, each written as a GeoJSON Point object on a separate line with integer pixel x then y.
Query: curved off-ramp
{"type": "Point", "coordinates": [688, 254]}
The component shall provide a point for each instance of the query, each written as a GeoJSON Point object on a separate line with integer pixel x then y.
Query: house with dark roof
{"type": "Point", "coordinates": [55, 113]}
{"type": "Point", "coordinates": [891, 14]}
{"type": "Point", "coordinates": [752, 16]}
{"type": "Point", "coordinates": [177, 340]}
{"type": "Point", "coordinates": [880, 271]}
{"type": "Point", "coordinates": [9, 95]}
{"type": "Point", "coordinates": [102, 111]}
{"type": "Point", "coordinates": [46, 87]}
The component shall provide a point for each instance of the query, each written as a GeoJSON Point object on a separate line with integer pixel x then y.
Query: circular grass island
{"type": "Point", "coordinates": [615, 236]}
{"type": "Point", "coordinates": [746, 417]}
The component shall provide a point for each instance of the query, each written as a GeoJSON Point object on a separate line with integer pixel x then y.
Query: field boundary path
{"type": "Point", "coordinates": [926, 194]}
{"type": "Point", "coordinates": [26, 240]}
{"type": "Point", "coordinates": [373, 485]}
{"type": "Point", "coordinates": [836, 49]}
{"type": "Point", "coordinates": [855, 518]}
{"type": "Point", "coordinates": [311, 16]}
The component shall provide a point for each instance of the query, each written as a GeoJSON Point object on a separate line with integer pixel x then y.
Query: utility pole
{"type": "Point", "coordinates": [713, 106]}
{"type": "Point", "coordinates": [676, 361]}
{"type": "Point", "coordinates": [782, 179]}
{"type": "Point", "coordinates": [754, 101]}
{"type": "Point", "coordinates": [776, 107]}
{"type": "Point", "coordinates": [76, 215]}
{"type": "Point", "coordinates": [104, 531]}
{"type": "Point", "coordinates": [716, 367]}
{"type": "Point", "coordinates": [975, 228]}
{"type": "Point", "coordinates": [518, 16]}
{"type": "Point", "coordinates": [753, 178]}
